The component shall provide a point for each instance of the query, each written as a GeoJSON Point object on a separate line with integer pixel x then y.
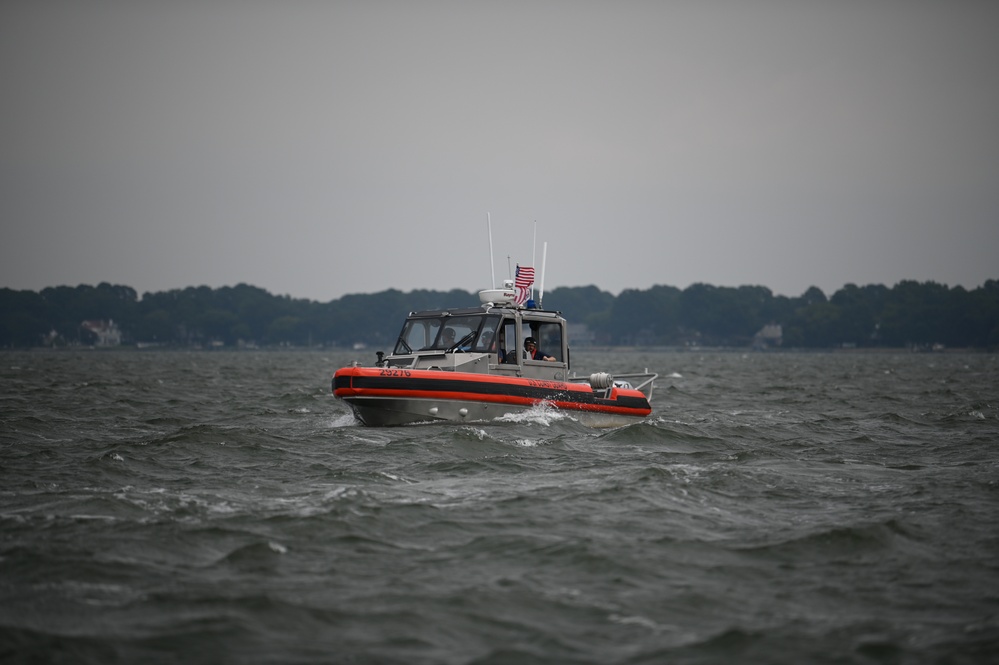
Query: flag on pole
{"type": "Point", "coordinates": [523, 282]}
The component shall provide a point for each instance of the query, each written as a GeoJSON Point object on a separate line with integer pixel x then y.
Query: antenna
{"type": "Point", "coordinates": [541, 285]}
{"type": "Point", "coordinates": [492, 265]}
{"type": "Point", "coordinates": [534, 252]}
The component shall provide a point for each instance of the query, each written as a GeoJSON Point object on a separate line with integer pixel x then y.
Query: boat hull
{"type": "Point", "coordinates": [384, 397]}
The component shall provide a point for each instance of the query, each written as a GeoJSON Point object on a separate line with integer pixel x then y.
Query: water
{"type": "Point", "coordinates": [223, 507]}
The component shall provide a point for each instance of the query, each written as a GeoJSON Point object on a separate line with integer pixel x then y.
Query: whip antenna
{"type": "Point", "coordinates": [541, 285]}
{"type": "Point", "coordinates": [534, 252]}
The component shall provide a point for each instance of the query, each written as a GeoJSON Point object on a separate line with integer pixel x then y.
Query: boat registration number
{"type": "Point", "coordinates": [394, 372]}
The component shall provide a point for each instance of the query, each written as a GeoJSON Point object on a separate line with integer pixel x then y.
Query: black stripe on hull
{"type": "Point", "coordinates": [500, 389]}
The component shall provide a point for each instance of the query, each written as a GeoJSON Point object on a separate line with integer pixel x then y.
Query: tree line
{"type": "Point", "coordinates": [909, 314]}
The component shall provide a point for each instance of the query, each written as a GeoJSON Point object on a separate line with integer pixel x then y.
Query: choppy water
{"type": "Point", "coordinates": [223, 507]}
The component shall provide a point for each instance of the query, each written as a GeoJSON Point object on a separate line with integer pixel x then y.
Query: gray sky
{"type": "Point", "coordinates": [321, 148]}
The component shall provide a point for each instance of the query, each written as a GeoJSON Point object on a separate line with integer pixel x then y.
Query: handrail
{"type": "Point", "coordinates": [648, 376]}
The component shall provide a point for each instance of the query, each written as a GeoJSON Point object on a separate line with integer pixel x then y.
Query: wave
{"type": "Point", "coordinates": [223, 507]}
{"type": "Point", "coordinates": [540, 414]}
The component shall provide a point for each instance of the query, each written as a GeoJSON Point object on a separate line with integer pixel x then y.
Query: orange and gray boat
{"type": "Point", "coordinates": [482, 363]}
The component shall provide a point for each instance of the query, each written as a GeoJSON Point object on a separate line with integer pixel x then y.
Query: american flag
{"type": "Point", "coordinates": [524, 280]}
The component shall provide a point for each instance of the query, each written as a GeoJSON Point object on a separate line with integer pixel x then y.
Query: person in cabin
{"type": "Point", "coordinates": [502, 355]}
{"type": "Point", "coordinates": [447, 339]}
{"type": "Point", "coordinates": [448, 343]}
{"type": "Point", "coordinates": [487, 344]}
{"type": "Point", "coordinates": [533, 352]}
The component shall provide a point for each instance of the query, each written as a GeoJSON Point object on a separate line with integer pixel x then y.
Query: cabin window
{"type": "Point", "coordinates": [506, 351]}
{"type": "Point", "coordinates": [479, 333]}
{"type": "Point", "coordinates": [458, 333]}
{"type": "Point", "coordinates": [417, 335]}
{"type": "Point", "coordinates": [549, 337]}
{"type": "Point", "coordinates": [486, 341]}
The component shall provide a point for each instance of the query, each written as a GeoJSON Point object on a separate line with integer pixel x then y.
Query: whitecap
{"type": "Point", "coordinates": [338, 493]}
{"type": "Point", "coordinates": [685, 472]}
{"type": "Point", "coordinates": [343, 420]}
{"type": "Point", "coordinates": [478, 433]}
{"type": "Point", "coordinates": [541, 413]}
{"type": "Point", "coordinates": [277, 547]}
{"type": "Point", "coordinates": [635, 620]}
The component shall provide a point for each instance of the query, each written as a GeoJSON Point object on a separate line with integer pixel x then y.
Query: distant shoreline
{"type": "Point", "coordinates": [131, 348]}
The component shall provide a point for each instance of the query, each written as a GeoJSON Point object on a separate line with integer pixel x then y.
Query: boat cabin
{"type": "Point", "coordinates": [487, 339]}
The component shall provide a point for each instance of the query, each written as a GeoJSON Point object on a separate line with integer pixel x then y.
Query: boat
{"type": "Point", "coordinates": [470, 364]}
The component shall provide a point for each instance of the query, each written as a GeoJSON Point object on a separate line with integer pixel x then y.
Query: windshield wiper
{"type": "Point", "coordinates": [456, 347]}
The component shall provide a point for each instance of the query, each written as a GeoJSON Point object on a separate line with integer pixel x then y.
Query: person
{"type": "Point", "coordinates": [447, 339]}
{"type": "Point", "coordinates": [486, 341]}
{"type": "Point", "coordinates": [502, 354]}
{"type": "Point", "coordinates": [533, 352]}
{"type": "Point", "coordinates": [462, 345]}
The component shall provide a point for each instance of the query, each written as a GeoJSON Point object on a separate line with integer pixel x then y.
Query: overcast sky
{"type": "Point", "coordinates": [316, 149]}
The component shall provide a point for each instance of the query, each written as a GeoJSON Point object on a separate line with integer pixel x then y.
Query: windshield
{"type": "Point", "coordinates": [417, 334]}
{"type": "Point", "coordinates": [448, 333]}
